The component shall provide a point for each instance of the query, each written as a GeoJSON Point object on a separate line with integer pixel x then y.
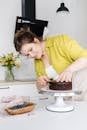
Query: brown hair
{"type": "Point", "coordinates": [21, 37]}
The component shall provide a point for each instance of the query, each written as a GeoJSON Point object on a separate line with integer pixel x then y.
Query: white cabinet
{"type": "Point", "coordinates": [18, 88]}
{"type": "Point", "coordinates": [4, 91]}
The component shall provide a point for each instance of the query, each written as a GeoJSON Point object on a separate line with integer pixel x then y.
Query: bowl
{"type": "Point", "coordinates": [20, 109]}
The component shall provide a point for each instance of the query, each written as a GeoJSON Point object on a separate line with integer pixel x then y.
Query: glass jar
{"type": "Point", "coordinates": [9, 76]}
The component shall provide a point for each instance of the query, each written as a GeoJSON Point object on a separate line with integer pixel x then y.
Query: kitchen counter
{"type": "Point", "coordinates": [41, 119]}
{"type": "Point", "coordinates": [16, 82]}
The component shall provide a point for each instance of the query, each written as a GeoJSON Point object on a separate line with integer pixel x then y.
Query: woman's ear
{"type": "Point", "coordinates": [36, 40]}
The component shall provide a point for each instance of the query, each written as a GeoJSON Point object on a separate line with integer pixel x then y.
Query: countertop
{"type": "Point", "coordinates": [41, 119]}
{"type": "Point", "coordinates": [16, 82]}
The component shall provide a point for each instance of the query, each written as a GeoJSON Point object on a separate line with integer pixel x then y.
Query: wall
{"type": "Point", "coordinates": [74, 23]}
{"type": "Point", "coordinates": [8, 11]}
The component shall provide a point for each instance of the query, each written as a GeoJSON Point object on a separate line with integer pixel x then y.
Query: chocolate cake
{"type": "Point", "coordinates": [53, 85]}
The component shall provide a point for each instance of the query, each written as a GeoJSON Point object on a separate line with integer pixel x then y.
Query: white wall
{"type": "Point", "coordinates": [9, 9]}
{"type": "Point", "coordinates": [74, 24]}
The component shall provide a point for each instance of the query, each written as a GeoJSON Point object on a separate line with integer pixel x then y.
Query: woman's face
{"type": "Point", "coordinates": [32, 50]}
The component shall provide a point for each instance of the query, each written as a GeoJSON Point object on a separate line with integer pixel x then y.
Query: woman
{"type": "Point", "coordinates": [55, 57]}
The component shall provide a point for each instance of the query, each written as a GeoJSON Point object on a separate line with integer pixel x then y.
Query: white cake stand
{"type": "Point", "coordinates": [60, 105]}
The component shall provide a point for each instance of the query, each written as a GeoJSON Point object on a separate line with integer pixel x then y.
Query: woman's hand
{"type": "Point", "coordinates": [66, 76]}
{"type": "Point", "coordinates": [42, 81]}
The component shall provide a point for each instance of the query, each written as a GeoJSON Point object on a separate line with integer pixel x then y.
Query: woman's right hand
{"type": "Point", "coordinates": [42, 81]}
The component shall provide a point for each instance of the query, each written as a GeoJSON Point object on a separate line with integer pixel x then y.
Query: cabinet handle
{"type": "Point", "coordinates": [4, 87]}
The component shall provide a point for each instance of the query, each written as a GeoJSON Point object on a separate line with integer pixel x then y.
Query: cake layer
{"type": "Point", "coordinates": [53, 85]}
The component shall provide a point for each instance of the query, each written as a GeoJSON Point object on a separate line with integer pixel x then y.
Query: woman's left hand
{"type": "Point", "coordinates": [66, 76]}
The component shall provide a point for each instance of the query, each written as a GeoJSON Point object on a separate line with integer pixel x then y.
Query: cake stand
{"type": "Point", "coordinates": [60, 105]}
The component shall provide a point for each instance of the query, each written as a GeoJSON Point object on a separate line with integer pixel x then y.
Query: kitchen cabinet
{"type": "Point", "coordinates": [18, 88]}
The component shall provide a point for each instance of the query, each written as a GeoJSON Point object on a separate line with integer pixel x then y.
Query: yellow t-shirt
{"type": "Point", "coordinates": [62, 51]}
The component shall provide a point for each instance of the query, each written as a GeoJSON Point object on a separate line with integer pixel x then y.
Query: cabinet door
{"type": "Point", "coordinates": [4, 91]}
{"type": "Point", "coordinates": [19, 90]}
{"type": "Point", "coordinates": [24, 90]}
{"type": "Point", "coordinates": [28, 91]}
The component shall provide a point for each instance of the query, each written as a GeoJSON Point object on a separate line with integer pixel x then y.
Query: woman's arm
{"type": "Point", "coordinates": [66, 75]}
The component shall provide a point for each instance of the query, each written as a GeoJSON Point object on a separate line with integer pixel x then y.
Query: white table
{"type": "Point", "coordinates": [41, 119]}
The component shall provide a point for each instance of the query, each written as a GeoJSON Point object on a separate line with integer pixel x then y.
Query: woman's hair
{"type": "Point", "coordinates": [21, 37]}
